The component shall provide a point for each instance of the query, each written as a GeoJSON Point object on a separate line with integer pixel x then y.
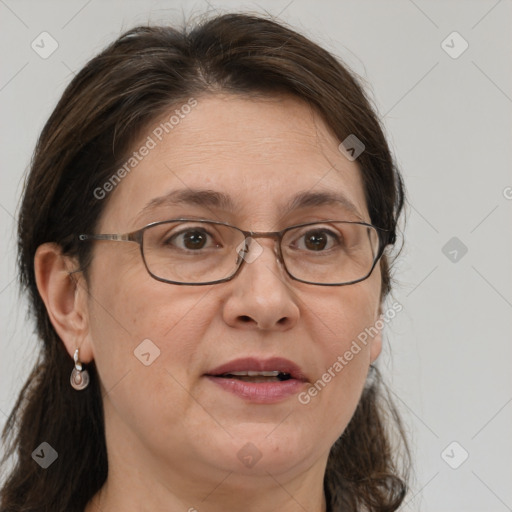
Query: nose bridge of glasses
{"type": "Point", "coordinates": [274, 235]}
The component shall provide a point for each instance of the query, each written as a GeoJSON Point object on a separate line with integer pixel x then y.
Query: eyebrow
{"type": "Point", "coordinates": [219, 200]}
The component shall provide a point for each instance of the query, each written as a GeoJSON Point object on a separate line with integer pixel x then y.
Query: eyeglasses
{"type": "Point", "coordinates": [201, 252]}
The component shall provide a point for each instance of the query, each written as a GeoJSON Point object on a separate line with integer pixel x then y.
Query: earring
{"type": "Point", "coordinates": [79, 377]}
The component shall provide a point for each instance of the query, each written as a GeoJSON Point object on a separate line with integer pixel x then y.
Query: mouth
{"type": "Point", "coordinates": [259, 380]}
{"type": "Point", "coordinates": [250, 369]}
{"type": "Point", "coordinates": [253, 376]}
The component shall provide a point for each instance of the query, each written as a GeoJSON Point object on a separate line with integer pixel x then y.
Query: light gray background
{"type": "Point", "coordinates": [449, 123]}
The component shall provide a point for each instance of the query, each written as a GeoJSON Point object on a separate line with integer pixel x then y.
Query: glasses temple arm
{"type": "Point", "coordinates": [127, 237]}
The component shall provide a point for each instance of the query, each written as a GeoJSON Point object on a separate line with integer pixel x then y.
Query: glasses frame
{"type": "Point", "coordinates": [386, 237]}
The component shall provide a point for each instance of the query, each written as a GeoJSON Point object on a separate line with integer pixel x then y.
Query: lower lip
{"type": "Point", "coordinates": [260, 392]}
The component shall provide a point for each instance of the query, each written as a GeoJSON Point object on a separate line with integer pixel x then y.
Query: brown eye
{"type": "Point", "coordinates": [194, 239]}
{"type": "Point", "coordinates": [317, 240]}
{"type": "Point", "coordinates": [190, 240]}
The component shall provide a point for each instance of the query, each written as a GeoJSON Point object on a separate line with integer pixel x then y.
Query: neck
{"type": "Point", "coordinates": [221, 497]}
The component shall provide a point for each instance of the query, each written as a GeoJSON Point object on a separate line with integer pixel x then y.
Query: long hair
{"type": "Point", "coordinates": [106, 107]}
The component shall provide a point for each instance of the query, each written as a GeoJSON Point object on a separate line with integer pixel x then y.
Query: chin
{"type": "Point", "coordinates": [261, 453]}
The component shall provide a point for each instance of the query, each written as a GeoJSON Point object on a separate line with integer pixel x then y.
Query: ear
{"type": "Point", "coordinates": [376, 342]}
{"type": "Point", "coordinates": [65, 296]}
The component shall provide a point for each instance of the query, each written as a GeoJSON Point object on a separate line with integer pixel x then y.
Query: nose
{"type": "Point", "coordinates": [260, 296]}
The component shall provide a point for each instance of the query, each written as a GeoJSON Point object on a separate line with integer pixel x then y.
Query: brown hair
{"type": "Point", "coordinates": [109, 103]}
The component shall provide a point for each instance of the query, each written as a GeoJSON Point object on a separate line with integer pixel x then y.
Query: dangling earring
{"type": "Point", "coordinates": [79, 377]}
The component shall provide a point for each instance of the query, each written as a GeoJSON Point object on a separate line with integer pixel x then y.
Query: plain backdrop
{"type": "Point", "coordinates": [445, 100]}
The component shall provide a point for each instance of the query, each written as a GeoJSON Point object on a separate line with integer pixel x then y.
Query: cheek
{"type": "Point", "coordinates": [339, 318]}
{"type": "Point", "coordinates": [341, 324]}
{"type": "Point", "coordinates": [146, 348]}
{"type": "Point", "coordinates": [143, 332]}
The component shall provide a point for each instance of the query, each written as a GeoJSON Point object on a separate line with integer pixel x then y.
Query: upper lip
{"type": "Point", "coordinates": [260, 365]}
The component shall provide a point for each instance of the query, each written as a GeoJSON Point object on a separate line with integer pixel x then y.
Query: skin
{"type": "Point", "coordinates": [172, 435]}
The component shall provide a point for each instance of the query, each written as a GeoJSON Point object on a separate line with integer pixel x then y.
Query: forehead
{"type": "Point", "coordinates": [251, 158]}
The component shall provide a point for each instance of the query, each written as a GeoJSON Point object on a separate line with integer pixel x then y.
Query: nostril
{"type": "Point", "coordinates": [245, 318]}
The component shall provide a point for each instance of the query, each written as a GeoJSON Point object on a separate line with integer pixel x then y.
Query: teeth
{"type": "Point", "coordinates": [254, 374]}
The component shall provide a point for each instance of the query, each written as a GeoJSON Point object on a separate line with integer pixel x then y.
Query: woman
{"type": "Point", "coordinates": [204, 236]}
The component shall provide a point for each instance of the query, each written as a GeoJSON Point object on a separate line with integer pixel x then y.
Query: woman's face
{"type": "Point", "coordinates": [164, 411]}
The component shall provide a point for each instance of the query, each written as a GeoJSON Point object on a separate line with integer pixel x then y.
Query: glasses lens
{"type": "Point", "coordinates": [331, 252]}
{"type": "Point", "coordinates": [198, 252]}
{"type": "Point", "coordinates": [191, 251]}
